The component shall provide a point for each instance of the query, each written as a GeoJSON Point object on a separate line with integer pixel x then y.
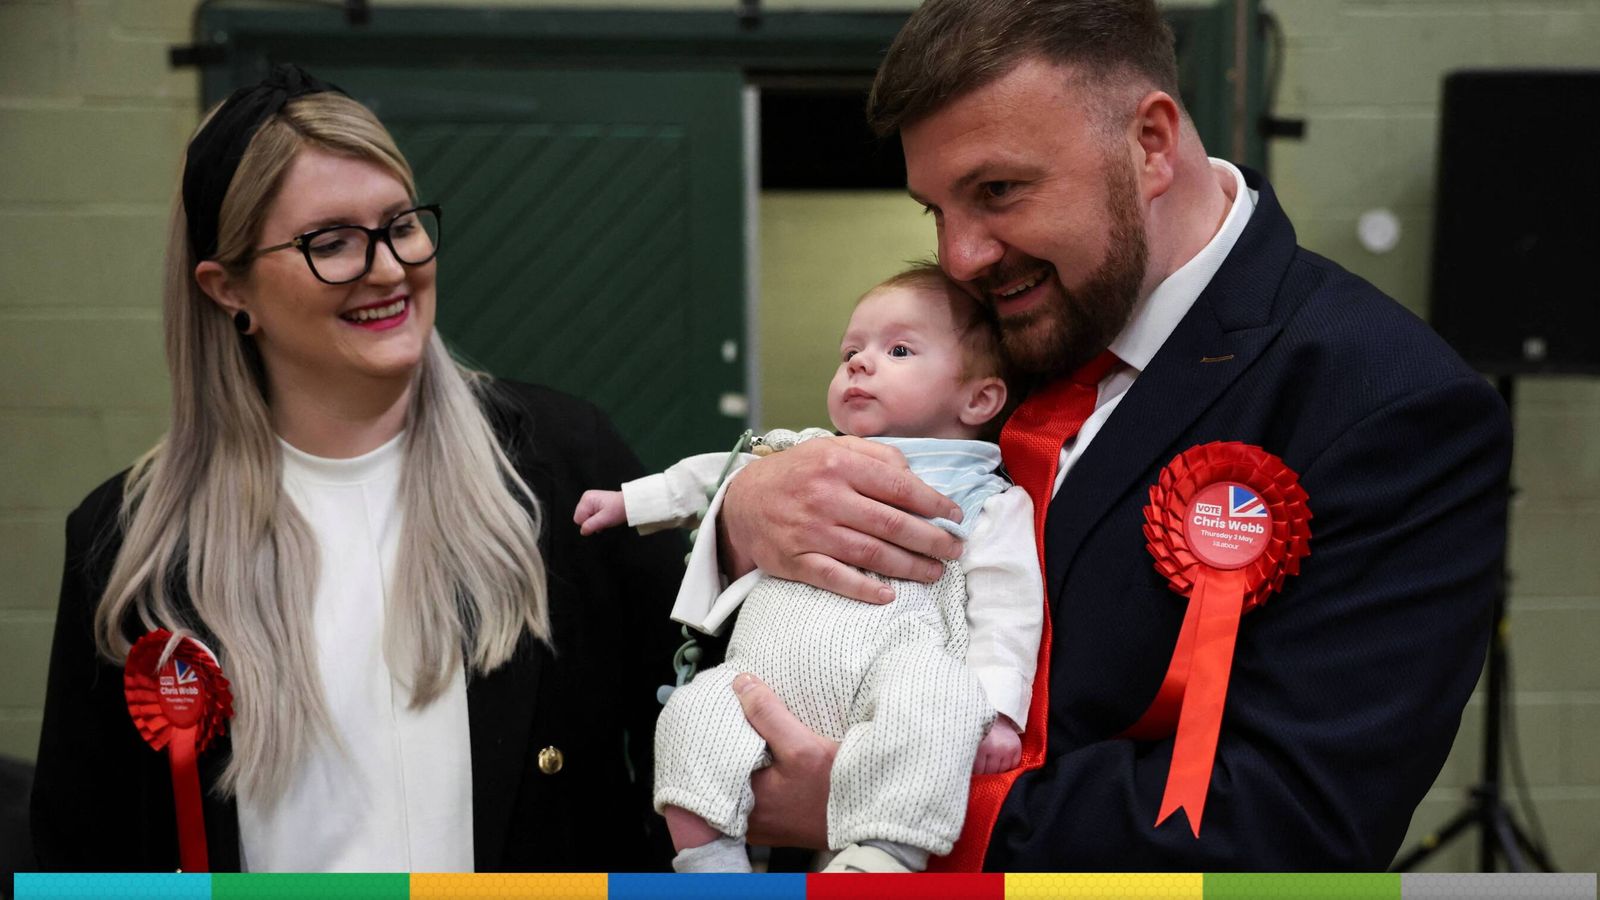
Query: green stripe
{"type": "Point", "coordinates": [387, 886]}
{"type": "Point", "coordinates": [1315, 886]}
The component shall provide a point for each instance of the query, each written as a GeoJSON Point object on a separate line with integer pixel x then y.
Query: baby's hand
{"type": "Point", "coordinates": [599, 510]}
{"type": "Point", "coordinates": [1000, 750]}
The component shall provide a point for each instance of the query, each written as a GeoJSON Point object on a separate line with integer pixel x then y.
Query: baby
{"type": "Point", "coordinates": [914, 690]}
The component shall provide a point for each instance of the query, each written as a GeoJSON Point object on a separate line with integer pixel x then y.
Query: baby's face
{"type": "Point", "coordinates": [899, 368]}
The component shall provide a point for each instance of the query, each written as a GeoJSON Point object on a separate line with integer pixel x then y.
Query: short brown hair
{"type": "Point", "coordinates": [950, 47]}
{"type": "Point", "coordinates": [976, 323]}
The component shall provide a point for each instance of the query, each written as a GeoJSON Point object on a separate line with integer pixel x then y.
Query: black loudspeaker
{"type": "Point", "coordinates": [1516, 253]}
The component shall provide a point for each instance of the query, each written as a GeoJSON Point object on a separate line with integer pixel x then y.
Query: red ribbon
{"type": "Point", "coordinates": [1227, 551]}
{"type": "Point", "coordinates": [1031, 444]}
{"type": "Point", "coordinates": [179, 701]}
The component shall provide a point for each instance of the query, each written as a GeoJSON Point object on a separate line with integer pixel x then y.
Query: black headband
{"type": "Point", "coordinates": [215, 152]}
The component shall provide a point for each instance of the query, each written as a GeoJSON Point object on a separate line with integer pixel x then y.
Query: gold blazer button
{"type": "Point", "coordinates": [550, 760]}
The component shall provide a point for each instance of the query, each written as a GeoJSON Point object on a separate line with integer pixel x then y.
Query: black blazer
{"type": "Point", "coordinates": [102, 799]}
{"type": "Point", "coordinates": [1347, 688]}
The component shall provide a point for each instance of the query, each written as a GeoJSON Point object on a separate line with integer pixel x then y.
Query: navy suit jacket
{"type": "Point", "coordinates": [1347, 687]}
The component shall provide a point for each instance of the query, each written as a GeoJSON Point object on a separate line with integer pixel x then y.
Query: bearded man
{"type": "Point", "coordinates": [1071, 191]}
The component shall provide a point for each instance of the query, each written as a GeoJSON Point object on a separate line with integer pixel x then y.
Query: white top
{"type": "Point", "coordinates": [1155, 317]}
{"type": "Point", "coordinates": [1005, 593]}
{"type": "Point", "coordinates": [397, 796]}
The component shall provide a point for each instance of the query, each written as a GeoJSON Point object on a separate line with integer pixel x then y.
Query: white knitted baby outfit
{"type": "Point", "coordinates": [888, 682]}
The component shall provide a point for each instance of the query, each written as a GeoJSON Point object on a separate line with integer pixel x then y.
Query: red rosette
{"type": "Point", "coordinates": [1227, 522]}
{"type": "Point", "coordinates": [1167, 515]}
{"type": "Point", "coordinates": [206, 711]}
{"type": "Point", "coordinates": [180, 702]}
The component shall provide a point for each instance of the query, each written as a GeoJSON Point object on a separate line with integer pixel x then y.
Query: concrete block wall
{"type": "Point", "coordinates": [1366, 75]}
{"type": "Point", "coordinates": [92, 123]}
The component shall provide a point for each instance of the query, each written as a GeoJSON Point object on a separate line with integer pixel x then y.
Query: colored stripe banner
{"type": "Point", "coordinates": [311, 887]}
{"type": "Point", "coordinates": [488, 886]}
{"type": "Point", "coordinates": [1112, 886]}
{"type": "Point", "coordinates": [1340, 886]}
{"type": "Point", "coordinates": [1310, 886]}
{"type": "Point", "coordinates": [708, 887]}
{"type": "Point", "coordinates": [131, 887]}
{"type": "Point", "coordinates": [931, 886]}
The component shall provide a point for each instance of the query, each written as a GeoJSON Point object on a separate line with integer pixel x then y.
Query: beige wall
{"type": "Point", "coordinates": [92, 122]}
{"type": "Point", "coordinates": [819, 252]}
{"type": "Point", "coordinates": [1366, 76]}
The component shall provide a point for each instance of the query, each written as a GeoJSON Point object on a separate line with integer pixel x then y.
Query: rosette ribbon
{"type": "Point", "coordinates": [179, 701]}
{"type": "Point", "coordinates": [1227, 522]}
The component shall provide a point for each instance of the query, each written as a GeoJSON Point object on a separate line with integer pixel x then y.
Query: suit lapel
{"type": "Point", "coordinates": [1231, 322]}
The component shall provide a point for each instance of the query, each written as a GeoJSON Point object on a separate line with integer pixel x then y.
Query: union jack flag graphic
{"type": "Point", "coordinates": [1243, 504]}
{"type": "Point", "coordinates": [186, 672]}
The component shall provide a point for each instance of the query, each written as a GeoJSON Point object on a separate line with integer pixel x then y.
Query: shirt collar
{"type": "Point", "coordinates": [382, 462]}
{"type": "Point", "coordinates": [1155, 317]}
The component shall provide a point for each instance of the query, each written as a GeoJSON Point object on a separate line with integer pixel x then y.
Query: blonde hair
{"type": "Point", "coordinates": [204, 511]}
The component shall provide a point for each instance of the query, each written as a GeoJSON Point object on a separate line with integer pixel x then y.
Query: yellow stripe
{"type": "Point", "coordinates": [1110, 886]}
{"type": "Point", "coordinates": [490, 885]}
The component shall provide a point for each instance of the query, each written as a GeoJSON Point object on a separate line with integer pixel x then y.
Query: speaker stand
{"type": "Point", "coordinates": [1498, 832]}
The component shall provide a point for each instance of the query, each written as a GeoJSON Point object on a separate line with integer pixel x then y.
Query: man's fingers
{"type": "Point", "coordinates": [850, 500]}
{"type": "Point", "coordinates": [835, 577]}
{"type": "Point", "coordinates": [851, 549]}
{"type": "Point", "coordinates": [786, 736]}
{"type": "Point", "coordinates": [918, 540]}
{"type": "Point", "coordinates": [879, 451]}
{"type": "Point", "coordinates": [897, 487]}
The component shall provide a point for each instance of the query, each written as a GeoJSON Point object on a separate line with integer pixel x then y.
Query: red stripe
{"type": "Point", "coordinates": [921, 886]}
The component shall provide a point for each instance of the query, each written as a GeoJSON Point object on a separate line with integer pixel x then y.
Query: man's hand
{"type": "Point", "coordinates": [791, 794]}
{"type": "Point", "coordinates": [815, 511]}
{"type": "Point", "coordinates": [1000, 750]}
{"type": "Point", "coordinates": [599, 510]}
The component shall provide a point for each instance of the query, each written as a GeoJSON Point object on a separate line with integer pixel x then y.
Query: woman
{"type": "Point", "coordinates": [430, 671]}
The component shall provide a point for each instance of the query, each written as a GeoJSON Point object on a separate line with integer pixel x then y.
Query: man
{"type": "Point", "coordinates": [1071, 191]}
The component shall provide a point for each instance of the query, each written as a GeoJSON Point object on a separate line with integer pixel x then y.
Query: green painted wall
{"type": "Point", "coordinates": [92, 122]}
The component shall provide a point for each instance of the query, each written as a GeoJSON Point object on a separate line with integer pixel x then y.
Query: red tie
{"type": "Point", "coordinates": [1032, 439]}
{"type": "Point", "coordinates": [1031, 445]}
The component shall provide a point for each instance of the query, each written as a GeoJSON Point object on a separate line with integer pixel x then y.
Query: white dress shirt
{"type": "Point", "coordinates": [395, 793]}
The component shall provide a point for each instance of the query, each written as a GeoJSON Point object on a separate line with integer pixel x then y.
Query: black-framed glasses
{"type": "Point", "coordinates": [341, 254]}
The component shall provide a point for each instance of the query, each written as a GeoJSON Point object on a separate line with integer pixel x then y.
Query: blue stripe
{"type": "Point", "coordinates": [155, 886]}
{"type": "Point", "coordinates": [707, 887]}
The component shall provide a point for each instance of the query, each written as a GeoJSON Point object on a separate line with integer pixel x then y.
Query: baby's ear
{"type": "Point", "coordinates": [985, 397]}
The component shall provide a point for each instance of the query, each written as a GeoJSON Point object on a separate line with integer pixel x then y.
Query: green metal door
{"type": "Point", "coordinates": [593, 233]}
{"type": "Point", "coordinates": [591, 167]}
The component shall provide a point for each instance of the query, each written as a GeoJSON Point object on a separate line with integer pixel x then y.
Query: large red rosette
{"type": "Point", "coordinates": [1227, 522]}
{"type": "Point", "coordinates": [180, 702]}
